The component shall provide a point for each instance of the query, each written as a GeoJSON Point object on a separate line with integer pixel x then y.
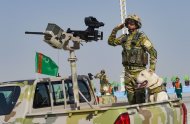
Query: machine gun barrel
{"type": "Point", "coordinates": [39, 33]}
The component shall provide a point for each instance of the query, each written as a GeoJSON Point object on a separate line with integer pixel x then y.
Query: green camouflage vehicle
{"type": "Point", "coordinates": [72, 100]}
{"type": "Point", "coordinates": [51, 101]}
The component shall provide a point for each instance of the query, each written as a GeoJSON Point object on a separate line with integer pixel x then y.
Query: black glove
{"type": "Point", "coordinates": [90, 75]}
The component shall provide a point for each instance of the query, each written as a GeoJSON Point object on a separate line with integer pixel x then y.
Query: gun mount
{"type": "Point", "coordinates": [56, 37]}
{"type": "Point", "coordinates": [59, 39]}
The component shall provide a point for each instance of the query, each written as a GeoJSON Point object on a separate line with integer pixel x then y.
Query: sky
{"type": "Point", "coordinates": [166, 23]}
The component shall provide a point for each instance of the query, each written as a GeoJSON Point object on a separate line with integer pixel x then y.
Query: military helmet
{"type": "Point", "coordinates": [133, 18]}
{"type": "Point", "coordinates": [102, 71]}
{"type": "Point", "coordinates": [177, 77]}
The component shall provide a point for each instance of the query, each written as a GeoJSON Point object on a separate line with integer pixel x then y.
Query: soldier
{"type": "Point", "coordinates": [104, 84]}
{"type": "Point", "coordinates": [136, 47]}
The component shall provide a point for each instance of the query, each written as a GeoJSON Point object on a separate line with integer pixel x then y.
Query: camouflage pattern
{"type": "Point", "coordinates": [143, 41]}
{"type": "Point", "coordinates": [134, 17]}
{"type": "Point", "coordinates": [169, 112]}
{"type": "Point", "coordinates": [103, 78]}
{"type": "Point", "coordinates": [131, 71]}
{"type": "Point", "coordinates": [104, 83]}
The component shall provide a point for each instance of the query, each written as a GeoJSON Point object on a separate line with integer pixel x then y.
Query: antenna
{"type": "Point", "coordinates": [123, 14]}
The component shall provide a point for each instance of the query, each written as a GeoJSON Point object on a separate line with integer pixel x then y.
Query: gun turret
{"type": "Point", "coordinates": [53, 35]}
{"type": "Point", "coordinates": [58, 38]}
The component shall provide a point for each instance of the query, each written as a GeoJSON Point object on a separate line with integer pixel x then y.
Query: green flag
{"type": "Point", "coordinates": [44, 65]}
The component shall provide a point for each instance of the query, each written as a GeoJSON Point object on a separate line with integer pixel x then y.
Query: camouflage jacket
{"type": "Point", "coordinates": [103, 78]}
{"type": "Point", "coordinates": [142, 41]}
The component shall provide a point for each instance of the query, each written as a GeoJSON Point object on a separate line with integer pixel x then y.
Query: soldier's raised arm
{"type": "Point", "coordinates": [112, 40]}
{"type": "Point", "coordinates": [151, 50]}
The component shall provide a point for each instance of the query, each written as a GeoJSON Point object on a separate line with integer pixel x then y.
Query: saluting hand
{"type": "Point", "coordinates": [120, 26]}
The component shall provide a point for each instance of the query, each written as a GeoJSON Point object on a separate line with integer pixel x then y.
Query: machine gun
{"type": "Point", "coordinates": [58, 38]}
{"type": "Point", "coordinates": [90, 33]}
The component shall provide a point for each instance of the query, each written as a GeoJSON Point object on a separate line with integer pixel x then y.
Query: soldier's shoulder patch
{"type": "Point", "coordinates": [147, 43]}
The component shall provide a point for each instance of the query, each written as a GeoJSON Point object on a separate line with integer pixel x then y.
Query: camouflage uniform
{"type": "Point", "coordinates": [135, 45]}
{"type": "Point", "coordinates": [103, 81]}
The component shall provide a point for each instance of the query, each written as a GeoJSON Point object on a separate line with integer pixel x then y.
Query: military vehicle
{"type": "Point", "coordinates": [72, 100]}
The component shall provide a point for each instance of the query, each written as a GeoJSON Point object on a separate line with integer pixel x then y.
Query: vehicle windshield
{"type": "Point", "coordinates": [8, 98]}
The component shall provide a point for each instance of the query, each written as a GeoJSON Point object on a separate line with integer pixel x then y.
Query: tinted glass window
{"type": "Point", "coordinates": [83, 87]}
{"type": "Point", "coordinates": [84, 90]}
{"type": "Point", "coordinates": [58, 93]}
{"type": "Point", "coordinates": [41, 97]}
{"type": "Point", "coordinates": [8, 98]}
{"type": "Point", "coordinates": [69, 91]}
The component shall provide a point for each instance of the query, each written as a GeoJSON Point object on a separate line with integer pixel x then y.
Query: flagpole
{"type": "Point", "coordinates": [37, 76]}
{"type": "Point", "coordinates": [58, 59]}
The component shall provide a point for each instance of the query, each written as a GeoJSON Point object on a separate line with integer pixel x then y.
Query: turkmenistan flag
{"type": "Point", "coordinates": [45, 65]}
